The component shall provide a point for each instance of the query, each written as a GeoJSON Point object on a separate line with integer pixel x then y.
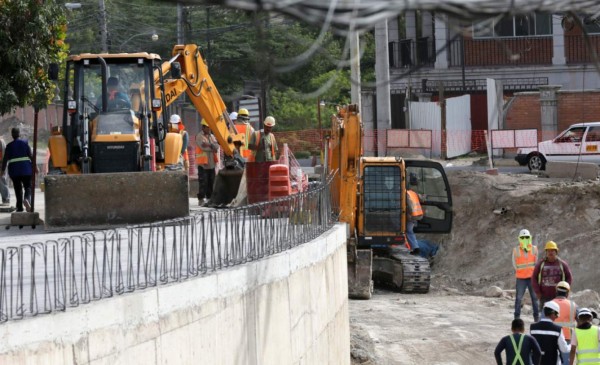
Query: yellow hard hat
{"type": "Point", "coordinates": [243, 112]}
{"type": "Point", "coordinates": [204, 122]}
{"type": "Point", "coordinates": [563, 285]}
{"type": "Point", "coordinates": [269, 122]}
{"type": "Point", "coordinates": [551, 245]}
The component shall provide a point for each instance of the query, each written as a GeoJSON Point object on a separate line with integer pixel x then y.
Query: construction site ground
{"type": "Point", "coordinates": [470, 304]}
{"type": "Point", "coordinates": [471, 301]}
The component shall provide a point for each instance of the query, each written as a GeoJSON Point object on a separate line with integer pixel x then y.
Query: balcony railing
{"type": "Point", "coordinates": [411, 53]}
{"type": "Point", "coordinates": [501, 52]}
{"type": "Point", "coordinates": [494, 52]}
{"type": "Point", "coordinates": [580, 51]}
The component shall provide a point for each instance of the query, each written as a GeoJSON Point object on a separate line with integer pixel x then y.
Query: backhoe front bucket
{"type": "Point", "coordinates": [227, 186]}
{"type": "Point", "coordinates": [99, 201]}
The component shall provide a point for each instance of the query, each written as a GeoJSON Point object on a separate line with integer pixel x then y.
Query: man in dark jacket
{"type": "Point", "coordinates": [549, 272]}
{"type": "Point", "coordinates": [18, 157]}
{"type": "Point", "coordinates": [519, 347]}
{"type": "Point", "coordinates": [549, 335]}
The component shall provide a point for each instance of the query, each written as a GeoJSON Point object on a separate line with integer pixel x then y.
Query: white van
{"type": "Point", "coordinates": [579, 143]}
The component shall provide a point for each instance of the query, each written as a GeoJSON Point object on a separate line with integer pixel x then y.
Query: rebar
{"type": "Point", "coordinates": [44, 277]}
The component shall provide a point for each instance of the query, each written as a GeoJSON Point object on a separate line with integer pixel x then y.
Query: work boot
{"type": "Point", "coordinates": [416, 251]}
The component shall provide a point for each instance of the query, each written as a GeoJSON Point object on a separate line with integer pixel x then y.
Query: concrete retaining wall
{"type": "Point", "coordinates": [291, 308]}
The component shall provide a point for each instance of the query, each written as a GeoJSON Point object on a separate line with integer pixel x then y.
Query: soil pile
{"type": "Point", "coordinates": [489, 212]}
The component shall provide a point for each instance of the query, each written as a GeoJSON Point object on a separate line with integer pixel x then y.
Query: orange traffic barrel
{"type": "Point", "coordinates": [279, 181]}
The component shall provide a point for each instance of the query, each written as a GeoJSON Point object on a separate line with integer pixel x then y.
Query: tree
{"type": "Point", "coordinates": [32, 34]}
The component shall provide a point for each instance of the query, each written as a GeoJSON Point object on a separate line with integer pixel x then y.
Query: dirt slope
{"type": "Point", "coordinates": [478, 251]}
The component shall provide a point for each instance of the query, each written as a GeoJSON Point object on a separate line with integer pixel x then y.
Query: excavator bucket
{"type": "Point", "coordinates": [106, 200]}
{"type": "Point", "coordinates": [360, 263]}
{"type": "Point", "coordinates": [229, 184]}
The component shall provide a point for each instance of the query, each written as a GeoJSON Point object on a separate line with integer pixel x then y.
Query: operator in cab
{"type": "Point", "coordinates": [117, 99]}
{"type": "Point", "coordinates": [263, 142]}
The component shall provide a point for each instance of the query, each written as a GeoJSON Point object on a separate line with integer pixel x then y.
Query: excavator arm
{"type": "Point", "coordinates": [192, 77]}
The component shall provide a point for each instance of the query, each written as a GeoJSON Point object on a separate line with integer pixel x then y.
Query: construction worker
{"type": "Point", "coordinates": [207, 149]}
{"type": "Point", "coordinates": [180, 128]}
{"type": "Point", "coordinates": [4, 190]}
{"type": "Point", "coordinates": [549, 272]}
{"type": "Point", "coordinates": [568, 314]}
{"type": "Point", "coordinates": [117, 99]}
{"type": "Point", "coordinates": [18, 157]}
{"type": "Point", "coordinates": [263, 142]}
{"type": "Point", "coordinates": [520, 348]}
{"type": "Point", "coordinates": [585, 341]}
{"type": "Point", "coordinates": [414, 213]}
{"type": "Point", "coordinates": [241, 120]}
{"type": "Point", "coordinates": [549, 335]}
{"type": "Point", "coordinates": [524, 258]}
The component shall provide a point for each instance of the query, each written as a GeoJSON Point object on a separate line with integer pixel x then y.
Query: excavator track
{"type": "Point", "coordinates": [404, 272]}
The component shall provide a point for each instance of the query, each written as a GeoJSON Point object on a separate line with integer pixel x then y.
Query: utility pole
{"type": "Point", "coordinates": [179, 23]}
{"type": "Point", "coordinates": [443, 117]}
{"type": "Point", "coordinates": [103, 27]}
{"type": "Point", "coordinates": [207, 33]}
{"type": "Point", "coordinates": [382, 75]}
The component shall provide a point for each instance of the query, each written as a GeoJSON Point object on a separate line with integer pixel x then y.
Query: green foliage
{"type": "Point", "coordinates": [296, 63]}
{"type": "Point", "coordinates": [32, 36]}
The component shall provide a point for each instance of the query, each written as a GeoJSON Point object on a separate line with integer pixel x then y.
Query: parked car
{"type": "Point", "coordinates": [579, 143]}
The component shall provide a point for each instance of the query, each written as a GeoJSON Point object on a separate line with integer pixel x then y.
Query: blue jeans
{"type": "Point", "coordinates": [523, 284]}
{"type": "Point", "coordinates": [411, 237]}
{"type": "Point", "coordinates": [565, 357]}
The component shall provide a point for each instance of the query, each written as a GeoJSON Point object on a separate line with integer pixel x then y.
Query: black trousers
{"type": "Point", "coordinates": [21, 183]}
{"type": "Point", "coordinates": [206, 180]}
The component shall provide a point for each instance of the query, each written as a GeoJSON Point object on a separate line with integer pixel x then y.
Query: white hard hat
{"type": "Point", "coordinates": [175, 119]}
{"type": "Point", "coordinates": [553, 305]}
{"type": "Point", "coordinates": [563, 285]}
{"type": "Point", "coordinates": [269, 122]}
{"type": "Point", "coordinates": [233, 116]}
{"type": "Point", "coordinates": [524, 233]}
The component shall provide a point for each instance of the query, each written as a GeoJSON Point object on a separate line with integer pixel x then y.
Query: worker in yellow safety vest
{"type": "Point", "coordinates": [585, 341]}
{"type": "Point", "coordinates": [263, 142]}
{"type": "Point", "coordinates": [524, 258]}
{"type": "Point", "coordinates": [567, 316]}
{"type": "Point", "coordinates": [207, 157]}
{"type": "Point", "coordinates": [178, 127]}
{"type": "Point", "coordinates": [241, 119]}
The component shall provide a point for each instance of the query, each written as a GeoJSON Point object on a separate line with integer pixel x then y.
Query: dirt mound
{"type": "Point", "coordinates": [490, 210]}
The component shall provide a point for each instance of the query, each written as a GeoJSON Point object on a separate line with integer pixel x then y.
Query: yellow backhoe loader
{"type": "Point", "coordinates": [113, 159]}
{"type": "Point", "coordinates": [371, 193]}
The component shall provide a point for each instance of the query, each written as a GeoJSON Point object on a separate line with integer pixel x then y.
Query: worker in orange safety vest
{"type": "Point", "coordinates": [524, 258]}
{"type": "Point", "coordinates": [414, 213]}
{"type": "Point", "coordinates": [241, 119]}
{"type": "Point", "coordinates": [568, 314]}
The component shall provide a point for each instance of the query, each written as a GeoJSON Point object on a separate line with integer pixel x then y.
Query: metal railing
{"type": "Point", "coordinates": [511, 51]}
{"type": "Point", "coordinates": [44, 277]}
{"type": "Point", "coordinates": [410, 52]}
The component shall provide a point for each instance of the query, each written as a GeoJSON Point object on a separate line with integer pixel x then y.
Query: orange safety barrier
{"type": "Point", "coordinates": [279, 181]}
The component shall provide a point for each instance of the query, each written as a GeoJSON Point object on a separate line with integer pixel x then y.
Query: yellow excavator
{"type": "Point", "coordinates": [371, 194]}
{"type": "Point", "coordinates": [113, 161]}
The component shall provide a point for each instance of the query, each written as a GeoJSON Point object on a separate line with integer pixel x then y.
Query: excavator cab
{"type": "Point", "coordinates": [103, 163]}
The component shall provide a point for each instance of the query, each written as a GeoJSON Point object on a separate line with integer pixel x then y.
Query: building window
{"type": "Point", "coordinates": [536, 24]}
